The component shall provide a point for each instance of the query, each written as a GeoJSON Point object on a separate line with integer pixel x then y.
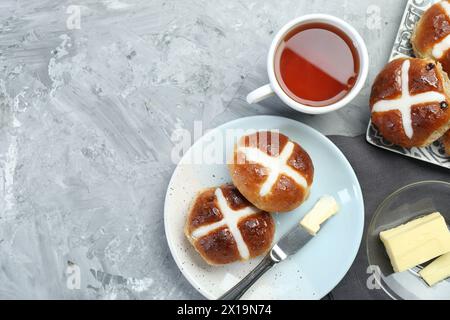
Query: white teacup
{"type": "Point", "coordinates": [274, 86]}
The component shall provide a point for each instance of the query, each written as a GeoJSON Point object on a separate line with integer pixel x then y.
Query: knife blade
{"type": "Point", "coordinates": [290, 243]}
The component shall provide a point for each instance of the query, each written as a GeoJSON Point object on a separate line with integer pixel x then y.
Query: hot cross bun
{"type": "Point", "coordinates": [224, 227]}
{"type": "Point", "coordinates": [271, 171]}
{"type": "Point", "coordinates": [410, 102]}
{"type": "Point", "coordinates": [431, 37]}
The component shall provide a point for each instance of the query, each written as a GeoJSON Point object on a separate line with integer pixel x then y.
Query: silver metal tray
{"type": "Point", "coordinates": [435, 153]}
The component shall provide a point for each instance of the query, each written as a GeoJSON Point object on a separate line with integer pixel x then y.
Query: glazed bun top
{"type": "Point", "coordinates": [409, 102]}
{"type": "Point", "coordinates": [431, 37]}
{"type": "Point", "coordinates": [224, 227]}
{"type": "Point", "coordinates": [271, 171]}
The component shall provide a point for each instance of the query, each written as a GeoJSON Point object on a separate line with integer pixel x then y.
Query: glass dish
{"type": "Point", "coordinates": [404, 205]}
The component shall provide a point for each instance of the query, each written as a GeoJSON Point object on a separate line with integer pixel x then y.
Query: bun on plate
{"type": "Point", "coordinates": [274, 173]}
{"type": "Point", "coordinates": [224, 227]}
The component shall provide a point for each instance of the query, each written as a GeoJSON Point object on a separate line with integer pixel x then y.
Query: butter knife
{"type": "Point", "coordinates": [288, 245]}
{"type": "Point", "coordinates": [293, 241]}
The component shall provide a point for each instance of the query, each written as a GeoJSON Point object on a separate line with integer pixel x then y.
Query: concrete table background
{"type": "Point", "coordinates": [88, 105]}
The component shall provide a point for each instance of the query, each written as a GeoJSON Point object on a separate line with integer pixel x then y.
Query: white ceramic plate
{"type": "Point", "coordinates": [319, 266]}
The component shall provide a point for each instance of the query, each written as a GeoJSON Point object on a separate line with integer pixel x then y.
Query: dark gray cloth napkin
{"type": "Point", "coordinates": [380, 172]}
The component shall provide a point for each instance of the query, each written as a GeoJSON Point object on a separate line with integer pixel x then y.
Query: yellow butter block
{"type": "Point", "coordinates": [417, 241]}
{"type": "Point", "coordinates": [324, 209]}
{"type": "Point", "coordinates": [437, 271]}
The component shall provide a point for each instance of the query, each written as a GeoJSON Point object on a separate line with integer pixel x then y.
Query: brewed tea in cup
{"type": "Point", "coordinates": [316, 64]}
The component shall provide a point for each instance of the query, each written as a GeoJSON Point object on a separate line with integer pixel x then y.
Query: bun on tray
{"type": "Point", "coordinates": [431, 37]}
{"type": "Point", "coordinates": [409, 102]}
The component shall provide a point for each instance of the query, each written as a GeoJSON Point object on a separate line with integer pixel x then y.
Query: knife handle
{"type": "Point", "coordinates": [239, 289]}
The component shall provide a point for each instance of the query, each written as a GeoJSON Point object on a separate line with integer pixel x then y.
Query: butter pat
{"type": "Point", "coordinates": [321, 212]}
{"type": "Point", "coordinates": [417, 241]}
{"type": "Point", "coordinates": [437, 271]}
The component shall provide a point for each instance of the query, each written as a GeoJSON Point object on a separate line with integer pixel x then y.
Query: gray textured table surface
{"type": "Point", "coordinates": [88, 104]}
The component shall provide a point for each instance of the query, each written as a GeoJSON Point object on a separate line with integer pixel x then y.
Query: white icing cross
{"type": "Point", "coordinates": [230, 219]}
{"type": "Point", "coordinates": [275, 165]}
{"type": "Point", "coordinates": [407, 101]}
{"type": "Point", "coordinates": [441, 47]}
